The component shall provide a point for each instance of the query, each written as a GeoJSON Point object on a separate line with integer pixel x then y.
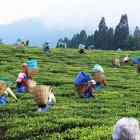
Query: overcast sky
{"type": "Point", "coordinates": [80, 14]}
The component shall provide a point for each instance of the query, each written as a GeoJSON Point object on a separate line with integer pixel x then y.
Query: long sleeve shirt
{"type": "Point", "coordinates": [22, 83]}
{"type": "Point", "coordinates": [90, 90]}
{"type": "Point", "coordinates": [25, 70]}
{"type": "Point", "coordinates": [104, 82]}
{"type": "Point", "coordinates": [8, 90]}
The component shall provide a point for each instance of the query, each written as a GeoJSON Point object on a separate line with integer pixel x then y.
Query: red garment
{"type": "Point", "coordinates": [22, 83]}
{"type": "Point", "coordinates": [90, 90]}
{"type": "Point", "coordinates": [104, 82]}
{"type": "Point", "coordinates": [25, 70]}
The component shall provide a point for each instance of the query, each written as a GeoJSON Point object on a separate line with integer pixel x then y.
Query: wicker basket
{"type": "Point", "coordinates": [97, 76]}
{"type": "Point", "coordinates": [115, 61]}
{"type": "Point", "coordinates": [31, 85]}
{"type": "Point", "coordinates": [3, 86]}
{"type": "Point", "coordinates": [132, 62]}
{"type": "Point", "coordinates": [40, 94]}
{"type": "Point", "coordinates": [138, 66]}
{"type": "Point", "coordinates": [31, 72]}
{"type": "Point", "coordinates": [80, 88]}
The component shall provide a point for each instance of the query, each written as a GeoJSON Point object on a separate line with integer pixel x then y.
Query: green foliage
{"type": "Point", "coordinates": [121, 32]}
{"type": "Point", "coordinates": [105, 39]}
{"type": "Point", "coordinates": [71, 117]}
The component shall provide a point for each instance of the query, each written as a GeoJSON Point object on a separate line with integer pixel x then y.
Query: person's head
{"type": "Point", "coordinates": [92, 82]}
{"type": "Point", "coordinates": [24, 65]}
{"type": "Point", "coordinates": [126, 129]}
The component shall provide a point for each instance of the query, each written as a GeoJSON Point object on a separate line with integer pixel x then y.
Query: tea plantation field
{"type": "Point", "coordinates": [71, 117]}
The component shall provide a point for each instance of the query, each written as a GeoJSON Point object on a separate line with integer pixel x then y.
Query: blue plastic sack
{"type": "Point", "coordinates": [134, 59]}
{"type": "Point", "coordinates": [82, 78]}
{"type": "Point", "coordinates": [87, 95]}
{"type": "Point", "coordinates": [97, 86]}
{"type": "Point", "coordinates": [46, 108]}
{"type": "Point", "coordinates": [22, 89]}
{"type": "Point", "coordinates": [91, 47]}
{"type": "Point", "coordinates": [32, 64]}
{"type": "Point", "coordinates": [3, 99]}
{"type": "Point", "coordinates": [138, 59]}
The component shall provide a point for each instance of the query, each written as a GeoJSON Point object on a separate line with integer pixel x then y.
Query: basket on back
{"type": "Point", "coordinates": [97, 76]}
{"type": "Point", "coordinates": [31, 85]}
{"type": "Point", "coordinates": [138, 66]}
{"type": "Point", "coordinates": [3, 86]}
{"type": "Point", "coordinates": [80, 88]}
{"type": "Point", "coordinates": [40, 94]}
{"type": "Point", "coordinates": [132, 62]}
{"type": "Point", "coordinates": [31, 72]}
{"type": "Point", "coordinates": [115, 61]}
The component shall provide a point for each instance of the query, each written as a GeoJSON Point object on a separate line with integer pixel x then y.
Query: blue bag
{"type": "Point", "coordinates": [46, 108]}
{"type": "Point", "coordinates": [21, 89]}
{"type": "Point", "coordinates": [134, 59]}
{"type": "Point", "coordinates": [3, 99]}
{"type": "Point", "coordinates": [32, 64]}
{"type": "Point", "coordinates": [97, 86]}
{"type": "Point", "coordinates": [82, 78]}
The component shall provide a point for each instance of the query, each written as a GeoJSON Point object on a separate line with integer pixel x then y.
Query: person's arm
{"type": "Point", "coordinates": [90, 90]}
{"type": "Point", "coordinates": [104, 82]}
{"type": "Point", "coordinates": [24, 82]}
{"type": "Point", "coordinates": [11, 92]}
{"type": "Point", "coordinates": [25, 70]}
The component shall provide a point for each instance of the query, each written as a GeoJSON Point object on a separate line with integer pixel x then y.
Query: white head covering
{"type": "Point", "coordinates": [92, 82]}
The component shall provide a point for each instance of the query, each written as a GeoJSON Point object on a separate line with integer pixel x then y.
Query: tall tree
{"type": "Point", "coordinates": [136, 32]}
{"type": "Point", "coordinates": [121, 33]}
{"type": "Point", "coordinates": [109, 41]}
{"type": "Point", "coordinates": [89, 41]}
{"type": "Point", "coordinates": [82, 37]}
{"type": "Point", "coordinates": [136, 39]}
{"type": "Point", "coordinates": [101, 35]}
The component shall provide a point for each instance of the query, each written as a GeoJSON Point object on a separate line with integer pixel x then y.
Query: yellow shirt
{"type": "Point", "coordinates": [8, 90]}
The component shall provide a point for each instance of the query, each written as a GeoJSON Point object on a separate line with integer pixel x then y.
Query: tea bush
{"type": "Point", "coordinates": [71, 117]}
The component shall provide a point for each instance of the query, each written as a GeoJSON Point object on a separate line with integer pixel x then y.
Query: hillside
{"type": "Point", "coordinates": [71, 117]}
{"type": "Point", "coordinates": [34, 30]}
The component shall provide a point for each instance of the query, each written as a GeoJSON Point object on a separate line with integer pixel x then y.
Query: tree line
{"type": "Point", "coordinates": [106, 38]}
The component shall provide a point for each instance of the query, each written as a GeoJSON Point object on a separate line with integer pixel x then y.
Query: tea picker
{"type": "Point", "coordinates": [44, 97]}
{"type": "Point", "coordinates": [21, 83]}
{"type": "Point", "coordinates": [83, 86]}
{"type": "Point", "coordinates": [115, 62]}
{"type": "Point", "coordinates": [81, 49]}
{"type": "Point", "coordinates": [5, 89]}
{"type": "Point", "coordinates": [98, 76]}
{"type": "Point", "coordinates": [46, 47]}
